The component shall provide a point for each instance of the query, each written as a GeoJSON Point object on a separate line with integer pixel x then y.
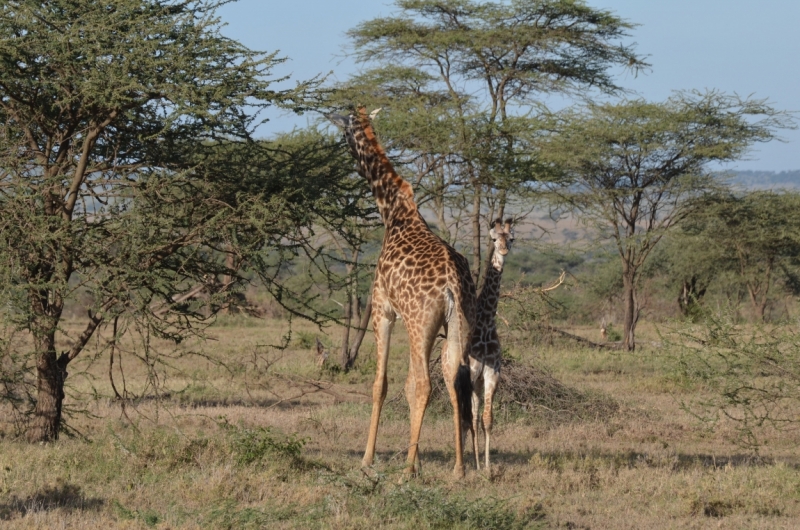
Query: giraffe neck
{"type": "Point", "coordinates": [393, 195]}
{"type": "Point", "coordinates": [490, 293]}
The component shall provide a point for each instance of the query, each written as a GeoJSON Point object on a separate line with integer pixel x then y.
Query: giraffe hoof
{"type": "Point", "coordinates": [408, 474]}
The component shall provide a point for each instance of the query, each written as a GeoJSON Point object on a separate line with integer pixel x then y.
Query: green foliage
{"type": "Point", "coordinates": [752, 240]}
{"type": "Point", "coordinates": [534, 45]}
{"type": "Point", "coordinates": [751, 375]}
{"type": "Point", "coordinates": [304, 339]}
{"type": "Point", "coordinates": [614, 334]}
{"type": "Point", "coordinates": [251, 446]}
{"type": "Point", "coordinates": [538, 266]}
{"type": "Point", "coordinates": [228, 515]}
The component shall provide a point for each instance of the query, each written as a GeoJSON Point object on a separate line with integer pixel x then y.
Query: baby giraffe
{"type": "Point", "coordinates": [485, 352]}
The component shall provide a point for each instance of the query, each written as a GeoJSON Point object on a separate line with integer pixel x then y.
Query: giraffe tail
{"type": "Point", "coordinates": [464, 393]}
{"type": "Point", "coordinates": [459, 335]}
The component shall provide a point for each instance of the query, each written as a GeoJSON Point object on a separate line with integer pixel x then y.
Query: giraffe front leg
{"type": "Point", "coordinates": [382, 325]}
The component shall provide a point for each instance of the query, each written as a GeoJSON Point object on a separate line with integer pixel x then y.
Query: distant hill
{"type": "Point", "coordinates": [765, 180]}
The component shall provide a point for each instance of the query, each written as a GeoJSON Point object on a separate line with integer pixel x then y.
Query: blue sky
{"type": "Point", "coordinates": [740, 46]}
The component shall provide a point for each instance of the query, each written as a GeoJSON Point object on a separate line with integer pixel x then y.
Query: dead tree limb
{"type": "Point", "coordinates": [587, 342]}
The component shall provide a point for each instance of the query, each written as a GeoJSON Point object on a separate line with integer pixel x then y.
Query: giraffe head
{"type": "Point", "coordinates": [353, 127]}
{"type": "Point", "coordinates": [503, 237]}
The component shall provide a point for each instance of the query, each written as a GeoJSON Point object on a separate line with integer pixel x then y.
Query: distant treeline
{"type": "Point", "coordinates": [766, 179]}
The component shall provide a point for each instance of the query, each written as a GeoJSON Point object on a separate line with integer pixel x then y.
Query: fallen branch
{"type": "Point", "coordinates": [310, 386]}
{"type": "Point", "coordinates": [591, 344]}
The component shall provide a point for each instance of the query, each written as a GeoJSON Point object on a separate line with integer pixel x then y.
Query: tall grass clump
{"type": "Point", "coordinates": [410, 506]}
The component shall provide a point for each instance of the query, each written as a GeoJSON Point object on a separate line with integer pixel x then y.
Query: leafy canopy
{"type": "Point", "coordinates": [130, 180]}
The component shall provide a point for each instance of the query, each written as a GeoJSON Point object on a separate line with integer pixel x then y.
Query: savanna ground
{"type": "Point", "coordinates": [269, 439]}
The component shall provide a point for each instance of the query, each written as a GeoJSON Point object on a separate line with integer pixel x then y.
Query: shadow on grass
{"type": "Point", "coordinates": [619, 460]}
{"type": "Point", "coordinates": [199, 403]}
{"type": "Point", "coordinates": [633, 459]}
{"type": "Point", "coordinates": [64, 496]}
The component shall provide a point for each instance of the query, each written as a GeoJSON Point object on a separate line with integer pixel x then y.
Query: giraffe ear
{"type": "Point", "coordinates": [340, 121]}
{"type": "Point", "coordinates": [374, 113]}
{"type": "Point", "coordinates": [492, 234]}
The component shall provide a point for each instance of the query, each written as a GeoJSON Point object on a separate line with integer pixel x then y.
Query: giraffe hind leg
{"type": "Point", "coordinates": [450, 369]}
{"type": "Point", "coordinates": [411, 392]}
{"type": "Point", "coordinates": [421, 345]}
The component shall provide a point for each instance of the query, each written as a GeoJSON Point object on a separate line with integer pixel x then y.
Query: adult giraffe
{"type": "Point", "coordinates": [421, 278]}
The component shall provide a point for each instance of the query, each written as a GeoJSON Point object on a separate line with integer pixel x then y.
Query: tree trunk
{"type": "Point", "coordinates": [437, 203]}
{"type": "Point", "coordinates": [476, 233]}
{"type": "Point", "coordinates": [348, 312]}
{"type": "Point", "coordinates": [760, 305]}
{"type": "Point", "coordinates": [630, 318]}
{"type": "Point", "coordinates": [230, 262]}
{"type": "Point", "coordinates": [689, 299]}
{"type": "Point", "coordinates": [362, 331]}
{"type": "Point", "coordinates": [46, 421]}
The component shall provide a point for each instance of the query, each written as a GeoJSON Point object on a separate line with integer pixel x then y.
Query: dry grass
{"type": "Point", "coordinates": [271, 441]}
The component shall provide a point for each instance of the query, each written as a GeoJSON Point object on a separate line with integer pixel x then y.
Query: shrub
{"type": "Point", "coordinates": [252, 445]}
{"type": "Point", "coordinates": [751, 374]}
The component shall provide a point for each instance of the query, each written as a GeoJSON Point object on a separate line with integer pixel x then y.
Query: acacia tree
{"type": "Point", "coordinates": [128, 174]}
{"type": "Point", "coordinates": [633, 168]}
{"type": "Point", "coordinates": [484, 64]}
{"type": "Point", "coordinates": [756, 236]}
{"type": "Point", "coordinates": [689, 264]}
